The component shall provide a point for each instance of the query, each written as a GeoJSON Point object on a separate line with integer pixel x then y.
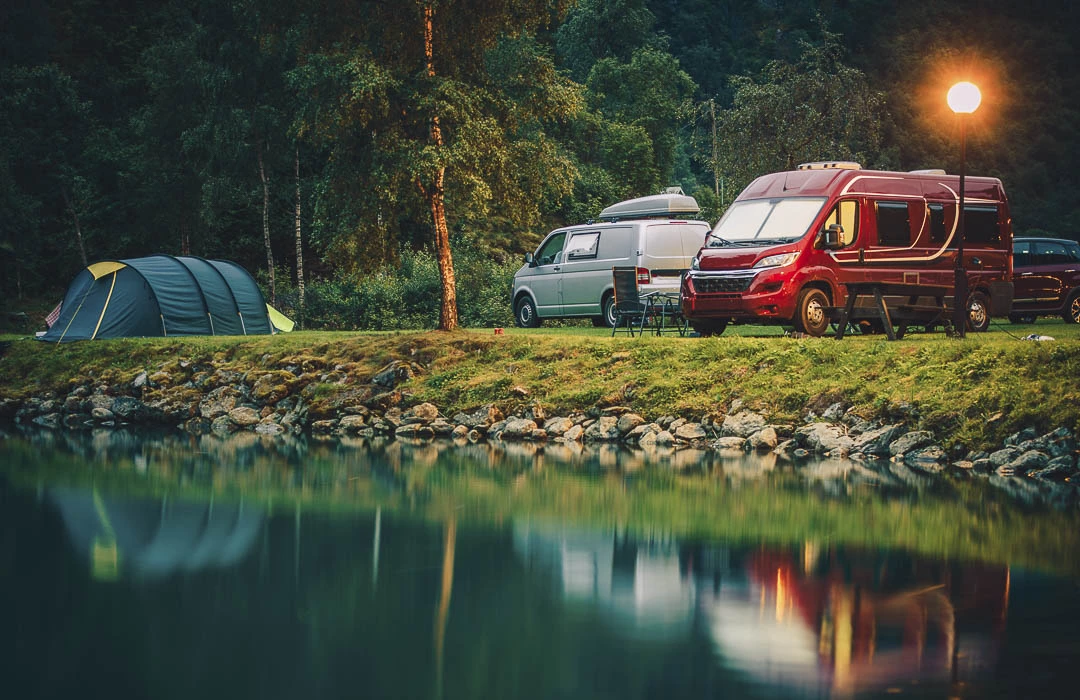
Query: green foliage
{"type": "Point", "coordinates": [404, 296]}
{"type": "Point", "coordinates": [815, 109]}
{"type": "Point", "coordinates": [150, 121]}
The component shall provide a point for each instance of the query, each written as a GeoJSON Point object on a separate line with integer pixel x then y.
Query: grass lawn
{"type": "Point", "coordinates": [976, 390]}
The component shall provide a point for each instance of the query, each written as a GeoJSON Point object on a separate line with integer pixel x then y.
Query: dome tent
{"type": "Point", "coordinates": [161, 295]}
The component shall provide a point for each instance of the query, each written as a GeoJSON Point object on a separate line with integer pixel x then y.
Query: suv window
{"type": "Point", "coordinates": [1022, 256]}
{"type": "Point", "coordinates": [549, 252]}
{"type": "Point", "coordinates": [893, 226]}
{"type": "Point", "coordinates": [1053, 253]}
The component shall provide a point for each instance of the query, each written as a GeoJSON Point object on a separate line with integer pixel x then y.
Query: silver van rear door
{"type": "Point", "coordinates": [669, 248]}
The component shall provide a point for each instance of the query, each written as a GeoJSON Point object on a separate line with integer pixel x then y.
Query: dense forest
{"type": "Point", "coordinates": [359, 155]}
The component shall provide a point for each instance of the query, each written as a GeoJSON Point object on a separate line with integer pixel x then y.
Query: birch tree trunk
{"type": "Point", "coordinates": [266, 226]}
{"type": "Point", "coordinates": [299, 244]}
{"type": "Point", "coordinates": [78, 227]}
{"type": "Point", "coordinates": [436, 194]}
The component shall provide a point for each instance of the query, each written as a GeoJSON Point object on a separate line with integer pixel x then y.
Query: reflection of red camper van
{"type": "Point", "coordinates": [785, 247]}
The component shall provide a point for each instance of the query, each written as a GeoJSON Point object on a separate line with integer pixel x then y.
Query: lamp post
{"type": "Point", "coordinates": [963, 99]}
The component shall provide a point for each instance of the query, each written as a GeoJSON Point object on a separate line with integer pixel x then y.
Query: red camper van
{"type": "Point", "coordinates": [787, 245]}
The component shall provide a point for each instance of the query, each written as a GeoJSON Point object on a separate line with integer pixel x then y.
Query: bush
{"type": "Point", "coordinates": [408, 297]}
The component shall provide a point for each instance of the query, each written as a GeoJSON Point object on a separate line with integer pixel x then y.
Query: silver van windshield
{"type": "Point", "coordinates": [787, 218]}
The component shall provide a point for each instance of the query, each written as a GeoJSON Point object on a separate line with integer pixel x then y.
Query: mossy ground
{"type": "Point", "coordinates": [974, 391]}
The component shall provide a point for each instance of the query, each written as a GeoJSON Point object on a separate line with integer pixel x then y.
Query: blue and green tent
{"type": "Point", "coordinates": [162, 295]}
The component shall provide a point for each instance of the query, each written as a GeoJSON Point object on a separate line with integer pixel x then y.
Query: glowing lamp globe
{"type": "Point", "coordinates": [964, 98]}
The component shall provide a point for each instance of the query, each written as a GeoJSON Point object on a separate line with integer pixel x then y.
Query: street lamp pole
{"type": "Point", "coordinates": [960, 284]}
{"type": "Point", "coordinates": [963, 99]}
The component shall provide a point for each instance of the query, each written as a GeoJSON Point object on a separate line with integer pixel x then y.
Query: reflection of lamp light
{"type": "Point", "coordinates": [963, 98]}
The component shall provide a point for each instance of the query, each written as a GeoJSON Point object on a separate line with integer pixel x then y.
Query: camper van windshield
{"type": "Point", "coordinates": [771, 220]}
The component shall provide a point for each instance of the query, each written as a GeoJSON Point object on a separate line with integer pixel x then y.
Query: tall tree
{"type": "Point", "coordinates": [48, 186]}
{"type": "Point", "coordinates": [421, 115]}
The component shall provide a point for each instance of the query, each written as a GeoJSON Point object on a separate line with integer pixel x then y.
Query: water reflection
{"type": "Point", "coordinates": [638, 585]}
{"type": "Point", "coordinates": [812, 623]}
{"type": "Point", "coordinates": [425, 589]}
{"type": "Point", "coordinates": [155, 537]}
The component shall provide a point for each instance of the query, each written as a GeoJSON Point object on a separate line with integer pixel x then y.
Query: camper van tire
{"type": "Point", "coordinates": [1072, 309]}
{"type": "Point", "coordinates": [707, 329]}
{"type": "Point", "coordinates": [525, 313]}
{"type": "Point", "coordinates": [978, 312]}
{"type": "Point", "coordinates": [810, 316]}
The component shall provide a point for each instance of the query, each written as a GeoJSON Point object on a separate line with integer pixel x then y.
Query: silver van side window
{"type": "Point", "coordinates": [549, 251]}
{"type": "Point", "coordinates": [583, 245]}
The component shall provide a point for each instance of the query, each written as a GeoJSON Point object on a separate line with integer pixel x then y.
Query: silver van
{"type": "Point", "coordinates": [569, 275]}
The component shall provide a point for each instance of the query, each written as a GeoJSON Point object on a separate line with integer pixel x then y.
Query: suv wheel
{"type": "Point", "coordinates": [525, 313]}
{"type": "Point", "coordinates": [810, 316]}
{"type": "Point", "coordinates": [978, 312]}
{"type": "Point", "coordinates": [1072, 308]}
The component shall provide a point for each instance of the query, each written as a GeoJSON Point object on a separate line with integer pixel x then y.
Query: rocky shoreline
{"type": "Point", "coordinates": [295, 400]}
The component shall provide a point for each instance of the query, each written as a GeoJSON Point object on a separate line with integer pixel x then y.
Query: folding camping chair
{"type": "Point", "coordinates": [630, 308]}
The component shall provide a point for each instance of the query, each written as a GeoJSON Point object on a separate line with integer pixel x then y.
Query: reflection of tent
{"type": "Point", "coordinates": [161, 295]}
{"type": "Point", "coordinates": [157, 538]}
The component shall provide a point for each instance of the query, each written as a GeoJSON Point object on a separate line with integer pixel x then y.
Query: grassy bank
{"type": "Point", "coordinates": [976, 390]}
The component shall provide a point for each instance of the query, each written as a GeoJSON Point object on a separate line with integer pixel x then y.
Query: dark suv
{"type": "Point", "coordinates": [1046, 279]}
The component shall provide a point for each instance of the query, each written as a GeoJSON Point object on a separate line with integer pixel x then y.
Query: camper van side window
{"type": "Point", "coordinates": [981, 224]}
{"type": "Point", "coordinates": [938, 232]}
{"type": "Point", "coordinates": [582, 245]}
{"type": "Point", "coordinates": [846, 214]}
{"type": "Point", "coordinates": [893, 226]}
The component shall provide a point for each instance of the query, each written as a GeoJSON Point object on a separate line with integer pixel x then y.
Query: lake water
{"type": "Point", "coordinates": [181, 567]}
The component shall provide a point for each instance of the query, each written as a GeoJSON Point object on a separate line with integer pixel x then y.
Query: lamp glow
{"type": "Point", "coordinates": [964, 98]}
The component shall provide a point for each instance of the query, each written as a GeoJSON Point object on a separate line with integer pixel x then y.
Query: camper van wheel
{"type": "Point", "coordinates": [525, 313]}
{"type": "Point", "coordinates": [978, 312]}
{"type": "Point", "coordinates": [1072, 309]}
{"type": "Point", "coordinates": [810, 316]}
{"type": "Point", "coordinates": [707, 329]}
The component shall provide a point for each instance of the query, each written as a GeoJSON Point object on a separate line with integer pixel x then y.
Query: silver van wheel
{"type": "Point", "coordinates": [608, 305]}
{"type": "Point", "coordinates": [525, 313]}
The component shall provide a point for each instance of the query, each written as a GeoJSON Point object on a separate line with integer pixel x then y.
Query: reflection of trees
{"type": "Point", "coordinates": [716, 495]}
{"type": "Point", "coordinates": [326, 605]}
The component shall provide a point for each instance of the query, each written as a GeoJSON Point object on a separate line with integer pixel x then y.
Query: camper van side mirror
{"type": "Point", "coordinates": [831, 238]}
{"type": "Point", "coordinates": [529, 260]}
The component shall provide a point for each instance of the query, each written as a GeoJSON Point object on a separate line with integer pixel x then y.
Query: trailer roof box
{"type": "Point", "coordinates": [657, 205]}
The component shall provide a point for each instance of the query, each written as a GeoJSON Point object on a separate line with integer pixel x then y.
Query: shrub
{"type": "Point", "coordinates": [406, 297]}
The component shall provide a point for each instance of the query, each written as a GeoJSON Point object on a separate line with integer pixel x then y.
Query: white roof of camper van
{"type": "Point", "coordinates": [653, 205]}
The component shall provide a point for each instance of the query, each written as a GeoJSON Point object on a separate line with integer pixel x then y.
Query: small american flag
{"type": "Point", "coordinates": [53, 315]}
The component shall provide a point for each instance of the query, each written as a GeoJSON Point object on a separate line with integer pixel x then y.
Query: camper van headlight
{"type": "Point", "coordinates": [695, 264]}
{"type": "Point", "coordinates": [777, 260]}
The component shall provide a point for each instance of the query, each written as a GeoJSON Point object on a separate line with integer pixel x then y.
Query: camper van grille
{"type": "Point", "coordinates": [718, 285]}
